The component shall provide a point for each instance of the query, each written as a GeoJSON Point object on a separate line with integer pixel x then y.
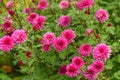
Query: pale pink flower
{"type": "Point", "coordinates": [98, 66]}
{"type": "Point", "coordinates": [101, 52]}
{"type": "Point", "coordinates": [62, 70]}
{"type": "Point", "coordinates": [10, 4]}
{"type": "Point", "coordinates": [78, 62]}
{"type": "Point", "coordinates": [64, 4]}
{"type": "Point", "coordinates": [101, 15]}
{"type": "Point", "coordinates": [31, 17]}
{"type": "Point", "coordinates": [64, 21]}
{"type": "Point", "coordinates": [6, 43]}
{"type": "Point", "coordinates": [60, 44]}
{"type": "Point", "coordinates": [72, 70]}
{"type": "Point", "coordinates": [38, 22]}
{"type": "Point", "coordinates": [19, 36]}
{"type": "Point", "coordinates": [85, 50]}
{"type": "Point", "coordinates": [68, 34]}
{"type": "Point", "coordinates": [43, 4]}
{"type": "Point", "coordinates": [48, 38]}
{"type": "Point", "coordinates": [89, 31]}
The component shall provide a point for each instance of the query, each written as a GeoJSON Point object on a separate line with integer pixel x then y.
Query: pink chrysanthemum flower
{"type": "Point", "coordinates": [80, 5]}
{"type": "Point", "coordinates": [46, 47]}
{"type": "Point", "coordinates": [10, 4]}
{"type": "Point", "coordinates": [68, 34]}
{"type": "Point", "coordinates": [60, 44]}
{"type": "Point", "coordinates": [31, 17]}
{"type": "Point", "coordinates": [6, 43]}
{"type": "Point", "coordinates": [72, 70]}
{"type": "Point", "coordinates": [64, 4]}
{"type": "Point", "coordinates": [89, 31]}
{"type": "Point", "coordinates": [98, 66]}
{"type": "Point", "coordinates": [43, 4]}
{"type": "Point", "coordinates": [101, 15]}
{"type": "Point", "coordinates": [85, 50]}
{"type": "Point", "coordinates": [88, 3]}
{"type": "Point", "coordinates": [38, 22]}
{"type": "Point", "coordinates": [19, 36]}
{"type": "Point", "coordinates": [8, 27]}
{"type": "Point", "coordinates": [62, 70]}
{"type": "Point", "coordinates": [64, 21]}
{"type": "Point", "coordinates": [78, 62]}
{"type": "Point", "coordinates": [101, 52]}
{"type": "Point", "coordinates": [48, 38]}
{"type": "Point", "coordinates": [90, 74]}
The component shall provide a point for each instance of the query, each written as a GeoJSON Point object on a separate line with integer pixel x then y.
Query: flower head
{"type": "Point", "coordinates": [78, 62]}
{"type": "Point", "coordinates": [85, 50]}
{"type": "Point", "coordinates": [64, 21]}
{"type": "Point", "coordinates": [101, 52]}
{"type": "Point", "coordinates": [60, 44]}
{"type": "Point", "coordinates": [62, 70]}
{"type": "Point", "coordinates": [6, 43]}
{"type": "Point", "coordinates": [88, 3]}
{"type": "Point", "coordinates": [43, 4]}
{"type": "Point", "coordinates": [101, 15]}
{"type": "Point", "coordinates": [68, 34]}
{"type": "Point", "coordinates": [89, 31]}
{"type": "Point", "coordinates": [28, 54]}
{"type": "Point", "coordinates": [31, 17]}
{"type": "Point", "coordinates": [64, 4]}
{"type": "Point", "coordinates": [72, 70]}
{"type": "Point", "coordinates": [10, 4]}
{"type": "Point", "coordinates": [46, 47]}
{"type": "Point", "coordinates": [19, 36]}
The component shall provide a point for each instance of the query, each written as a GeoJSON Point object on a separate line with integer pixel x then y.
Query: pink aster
{"type": "Point", "coordinates": [64, 21]}
{"type": "Point", "coordinates": [6, 43]}
{"type": "Point", "coordinates": [43, 4]}
{"type": "Point", "coordinates": [38, 22]}
{"type": "Point", "coordinates": [101, 52]}
{"type": "Point", "coordinates": [62, 70]}
{"type": "Point", "coordinates": [101, 15]}
{"type": "Point", "coordinates": [85, 50]}
{"type": "Point", "coordinates": [88, 3]}
{"type": "Point", "coordinates": [46, 47]}
{"type": "Point", "coordinates": [68, 34]}
{"type": "Point", "coordinates": [72, 70]}
{"type": "Point", "coordinates": [89, 31]}
{"type": "Point", "coordinates": [19, 36]}
{"type": "Point", "coordinates": [31, 17]}
{"type": "Point", "coordinates": [78, 62]}
{"type": "Point", "coordinates": [60, 44]}
{"type": "Point", "coordinates": [48, 38]}
{"type": "Point", "coordinates": [98, 66]}
{"type": "Point", "coordinates": [10, 4]}
{"type": "Point", "coordinates": [64, 4]}
{"type": "Point", "coordinates": [90, 74]}
{"type": "Point", "coordinates": [79, 5]}
{"type": "Point", "coordinates": [7, 27]}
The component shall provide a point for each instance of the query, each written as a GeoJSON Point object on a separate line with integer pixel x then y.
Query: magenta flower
{"type": "Point", "coordinates": [64, 4]}
{"type": "Point", "coordinates": [88, 3]}
{"type": "Point", "coordinates": [85, 50]}
{"type": "Point", "coordinates": [19, 36]}
{"type": "Point", "coordinates": [43, 4]}
{"type": "Point", "coordinates": [38, 22]}
{"type": "Point", "coordinates": [89, 31]}
{"type": "Point", "coordinates": [62, 70]}
{"type": "Point", "coordinates": [72, 70]}
{"type": "Point", "coordinates": [6, 43]}
{"type": "Point", "coordinates": [48, 38]}
{"type": "Point", "coordinates": [101, 15]}
{"type": "Point", "coordinates": [68, 34]}
{"type": "Point", "coordinates": [98, 66]}
{"type": "Point", "coordinates": [46, 47]}
{"type": "Point", "coordinates": [90, 74]}
{"type": "Point", "coordinates": [60, 44]}
{"type": "Point", "coordinates": [78, 62]}
{"type": "Point", "coordinates": [31, 17]}
{"type": "Point", "coordinates": [10, 4]}
{"type": "Point", "coordinates": [101, 52]}
{"type": "Point", "coordinates": [64, 21]}
{"type": "Point", "coordinates": [27, 10]}
{"type": "Point", "coordinates": [7, 27]}
{"type": "Point", "coordinates": [80, 5]}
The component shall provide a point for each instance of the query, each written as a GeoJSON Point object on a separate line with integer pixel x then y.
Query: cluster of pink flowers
{"type": "Point", "coordinates": [36, 21]}
{"type": "Point", "coordinates": [82, 4]}
{"type": "Point", "coordinates": [72, 69]}
{"type": "Point", "coordinates": [7, 42]}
